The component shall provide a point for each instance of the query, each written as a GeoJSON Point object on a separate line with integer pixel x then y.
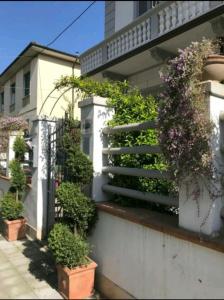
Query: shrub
{"type": "Point", "coordinates": [10, 208]}
{"type": "Point", "coordinates": [78, 210]}
{"type": "Point", "coordinates": [69, 250]}
{"type": "Point", "coordinates": [18, 178]}
{"type": "Point", "coordinates": [19, 148]}
{"type": "Point", "coordinates": [78, 166]}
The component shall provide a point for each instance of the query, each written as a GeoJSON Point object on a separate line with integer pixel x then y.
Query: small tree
{"type": "Point", "coordinates": [79, 211]}
{"type": "Point", "coordinates": [18, 178]}
{"type": "Point", "coordinates": [20, 148]}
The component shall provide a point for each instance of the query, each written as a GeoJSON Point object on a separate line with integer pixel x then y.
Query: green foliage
{"type": "Point", "coordinates": [130, 107]}
{"type": "Point", "coordinates": [78, 210]}
{"type": "Point", "coordinates": [10, 208]}
{"type": "Point", "coordinates": [19, 147]}
{"type": "Point", "coordinates": [79, 166]}
{"type": "Point", "coordinates": [18, 178]}
{"type": "Point", "coordinates": [68, 249]}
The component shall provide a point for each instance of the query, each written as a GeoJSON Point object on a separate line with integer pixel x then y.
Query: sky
{"type": "Point", "coordinates": [40, 21]}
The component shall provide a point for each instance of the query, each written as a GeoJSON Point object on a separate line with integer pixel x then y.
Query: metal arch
{"type": "Point", "coordinates": [60, 98]}
{"type": "Point", "coordinates": [45, 100]}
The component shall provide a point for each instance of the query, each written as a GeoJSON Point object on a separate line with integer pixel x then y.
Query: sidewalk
{"type": "Point", "coordinates": [26, 271]}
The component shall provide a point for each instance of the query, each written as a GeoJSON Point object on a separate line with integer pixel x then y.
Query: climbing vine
{"type": "Point", "coordinates": [185, 128]}
{"type": "Point", "coordinates": [130, 106]}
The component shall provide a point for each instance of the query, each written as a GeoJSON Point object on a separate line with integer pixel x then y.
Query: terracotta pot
{"type": "Point", "coordinates": [15, 230]}
{"type": "Point", "coordinates": [77, 283]}
{"type": "Point", "coordinates": [214, 68]}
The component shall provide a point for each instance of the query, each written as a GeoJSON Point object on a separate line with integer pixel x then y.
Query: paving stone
{"type": "Point", "coordinates": [47, 293]}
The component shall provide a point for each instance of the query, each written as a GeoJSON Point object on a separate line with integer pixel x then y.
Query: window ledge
{"type": "Point", "coordinates": [161, 222]}
{"type": "Point", "coordinates": [26, 100]}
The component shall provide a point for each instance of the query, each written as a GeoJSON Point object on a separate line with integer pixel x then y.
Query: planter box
{"type": "Point", "coordinates": [77, 283]}
{"type": "Point", "coordinates": [15, 230]}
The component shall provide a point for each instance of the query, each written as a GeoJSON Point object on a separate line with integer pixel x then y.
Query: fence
{"type": "Point", "coordinates": [95, 112]}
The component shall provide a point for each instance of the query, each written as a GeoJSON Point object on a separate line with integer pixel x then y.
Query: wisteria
{"type": "Point", "coordinates": [13, 123]}
{"type": "Point", "coordinates": [185, 129]}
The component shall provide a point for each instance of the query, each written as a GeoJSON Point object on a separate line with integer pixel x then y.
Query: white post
{"type": "Point", "coordinates": [10, 152]}
{"type": "Point", "coordinates": [94, 117]}
{"type": "Point", "coordinates": [39, 180]}
{"type": "Point", "coordinates": [201, 212]}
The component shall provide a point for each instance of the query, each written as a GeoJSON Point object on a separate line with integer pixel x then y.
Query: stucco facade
{"type": "Point", "coordinates": [45, 68]}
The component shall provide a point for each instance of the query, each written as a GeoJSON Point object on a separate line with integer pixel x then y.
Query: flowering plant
{"type": "Point", "coordinates": [184, 126]}
{"type": "Point", "coordinates": [13, 123]}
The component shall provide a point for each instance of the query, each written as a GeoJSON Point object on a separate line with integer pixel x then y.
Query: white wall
{"type": "Point", "coordinates": [124, 13]}
{"type": "Point", "coordinates": [50, 70]}
{"type": "Point", "coordinates": [149, 264]}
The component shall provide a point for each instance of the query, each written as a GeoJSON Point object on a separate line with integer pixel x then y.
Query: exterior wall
{"type": "Point", "coordinates": [147, 78]}
{"type": "Point", "coordinates": [30, 109]}
{"type": "Point", "coordinates": [44, 72]}
{"type": "Point", "coordinates": [149, 264]}
{"type": "Point", "coordinates": [124, 13]}
{"type": "Point", "coordinates": [109, 25]}
{"type": "Point", "coordinates": [49, 71]}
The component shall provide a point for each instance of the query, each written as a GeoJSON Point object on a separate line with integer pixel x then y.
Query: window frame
{"type": "Point", "coordinates": [25, 88]}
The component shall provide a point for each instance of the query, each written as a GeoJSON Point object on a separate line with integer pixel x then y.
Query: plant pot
{"type": "Point", "coordinates": [214, 68]}
{"type": "Point", "coordinates": [15, 230]}
{"type": "Point", "coordinates": [77, 283]}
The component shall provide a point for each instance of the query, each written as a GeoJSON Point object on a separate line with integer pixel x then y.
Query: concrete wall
{"type": "Point", "coordinates": [49, 71]}
{"type": "Point", "coordinates": [29, 201]}
{"type": "Point", "coordinates": [149, 264]}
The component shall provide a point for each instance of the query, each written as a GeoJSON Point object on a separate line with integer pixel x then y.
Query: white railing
{"type": "Point", "coordinates": [136, 172]}
{"type": "Point", "coordinates": [159, 20]}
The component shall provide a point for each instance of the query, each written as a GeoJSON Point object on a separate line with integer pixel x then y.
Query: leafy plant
{"type": "Point", "coordinates": [10, 208]}
{"type": "Point", "coordinates": [18, 178]}
{"type": "Point", "coordinates": [68, 249]}
{"type": "Point", "coordinates": [20, 148]}
{"type": "Point", "coordinates": [185, 128]}
{"type": "Point", "coordinates": [130, 107]}
{"type": "Point", "coordinates": [78, 210]}
{"type": "Point", "coordinates": [78, 165]}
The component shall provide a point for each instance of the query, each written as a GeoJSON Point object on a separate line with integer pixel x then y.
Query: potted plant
{"type": "Point", "coordinates": [11, 212]}
{"type": "Point", "coordinates": [75, 269]}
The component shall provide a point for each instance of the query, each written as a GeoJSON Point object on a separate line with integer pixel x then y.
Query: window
{"type": "Point", "coordinates": [26, 84]}
{"type": "Point", "coordinates": [13, 97]}
{"type": "Point", "coordinates": [2, 102]}
{"type": "Point", "coordinates": [143, 6]}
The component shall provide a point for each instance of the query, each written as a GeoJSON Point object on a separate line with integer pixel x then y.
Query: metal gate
{"type": "Point", "coordinates": [56, 165]}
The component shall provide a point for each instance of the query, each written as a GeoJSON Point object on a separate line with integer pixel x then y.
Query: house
{"type": "Point", "coordinates": [141, 255]}
{"type": "Point", "coordinates": [27, 84]}
{"type": "Point", "coordinates": [141, 35]}
{"type": "Point", "coordinates": [27, 89]}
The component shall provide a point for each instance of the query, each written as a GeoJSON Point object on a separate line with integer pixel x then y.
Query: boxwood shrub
{"type": "Point", "coordinates": [69, 250]}
{"type": "Point", "coordinates": [10, 208]}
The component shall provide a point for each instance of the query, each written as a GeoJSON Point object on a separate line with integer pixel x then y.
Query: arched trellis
{"type": "Point", "coordinates": [59, 99]}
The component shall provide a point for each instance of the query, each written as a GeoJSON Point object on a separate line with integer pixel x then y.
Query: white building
{"type": "Point", "coordinates": [142, 254]}
{"type": "Point", "coordinates": [26, 85]}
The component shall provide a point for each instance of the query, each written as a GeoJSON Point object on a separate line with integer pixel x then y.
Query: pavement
{"type": "Point", "coordinates": [27, 271]}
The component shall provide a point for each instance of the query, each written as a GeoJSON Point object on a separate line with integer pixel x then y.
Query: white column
{"type": "Point", "coordinates": [39, 181]}
{"type": "Point", "coordinates": [10, 152]}
{"type": "Point", "coordinates": [94, 117]}
{"type": "Point", "coordinates": [201, 213]}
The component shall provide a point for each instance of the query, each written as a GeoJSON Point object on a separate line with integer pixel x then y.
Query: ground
{"type": "Point", "coordinates": [27, 271]}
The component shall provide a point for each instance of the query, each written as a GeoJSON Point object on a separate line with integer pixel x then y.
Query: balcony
{"type": "Point", "coordinates": [157, 22]}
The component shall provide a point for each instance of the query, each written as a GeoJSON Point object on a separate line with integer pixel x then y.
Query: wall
{"type": "Point", "coordinates": [30, 109]}
{"type": "Point", "coordinates": [149, 264]}
{"type": "Point", "coordinates": [124, 13]}
{"type": "Point", "coordinates": [29, 204]}
{"type": "Point", "coordinates": [49, 71]}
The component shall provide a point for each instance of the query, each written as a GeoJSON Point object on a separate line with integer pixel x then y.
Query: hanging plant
{"type": "Point", "coordinates": [184, 126]}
